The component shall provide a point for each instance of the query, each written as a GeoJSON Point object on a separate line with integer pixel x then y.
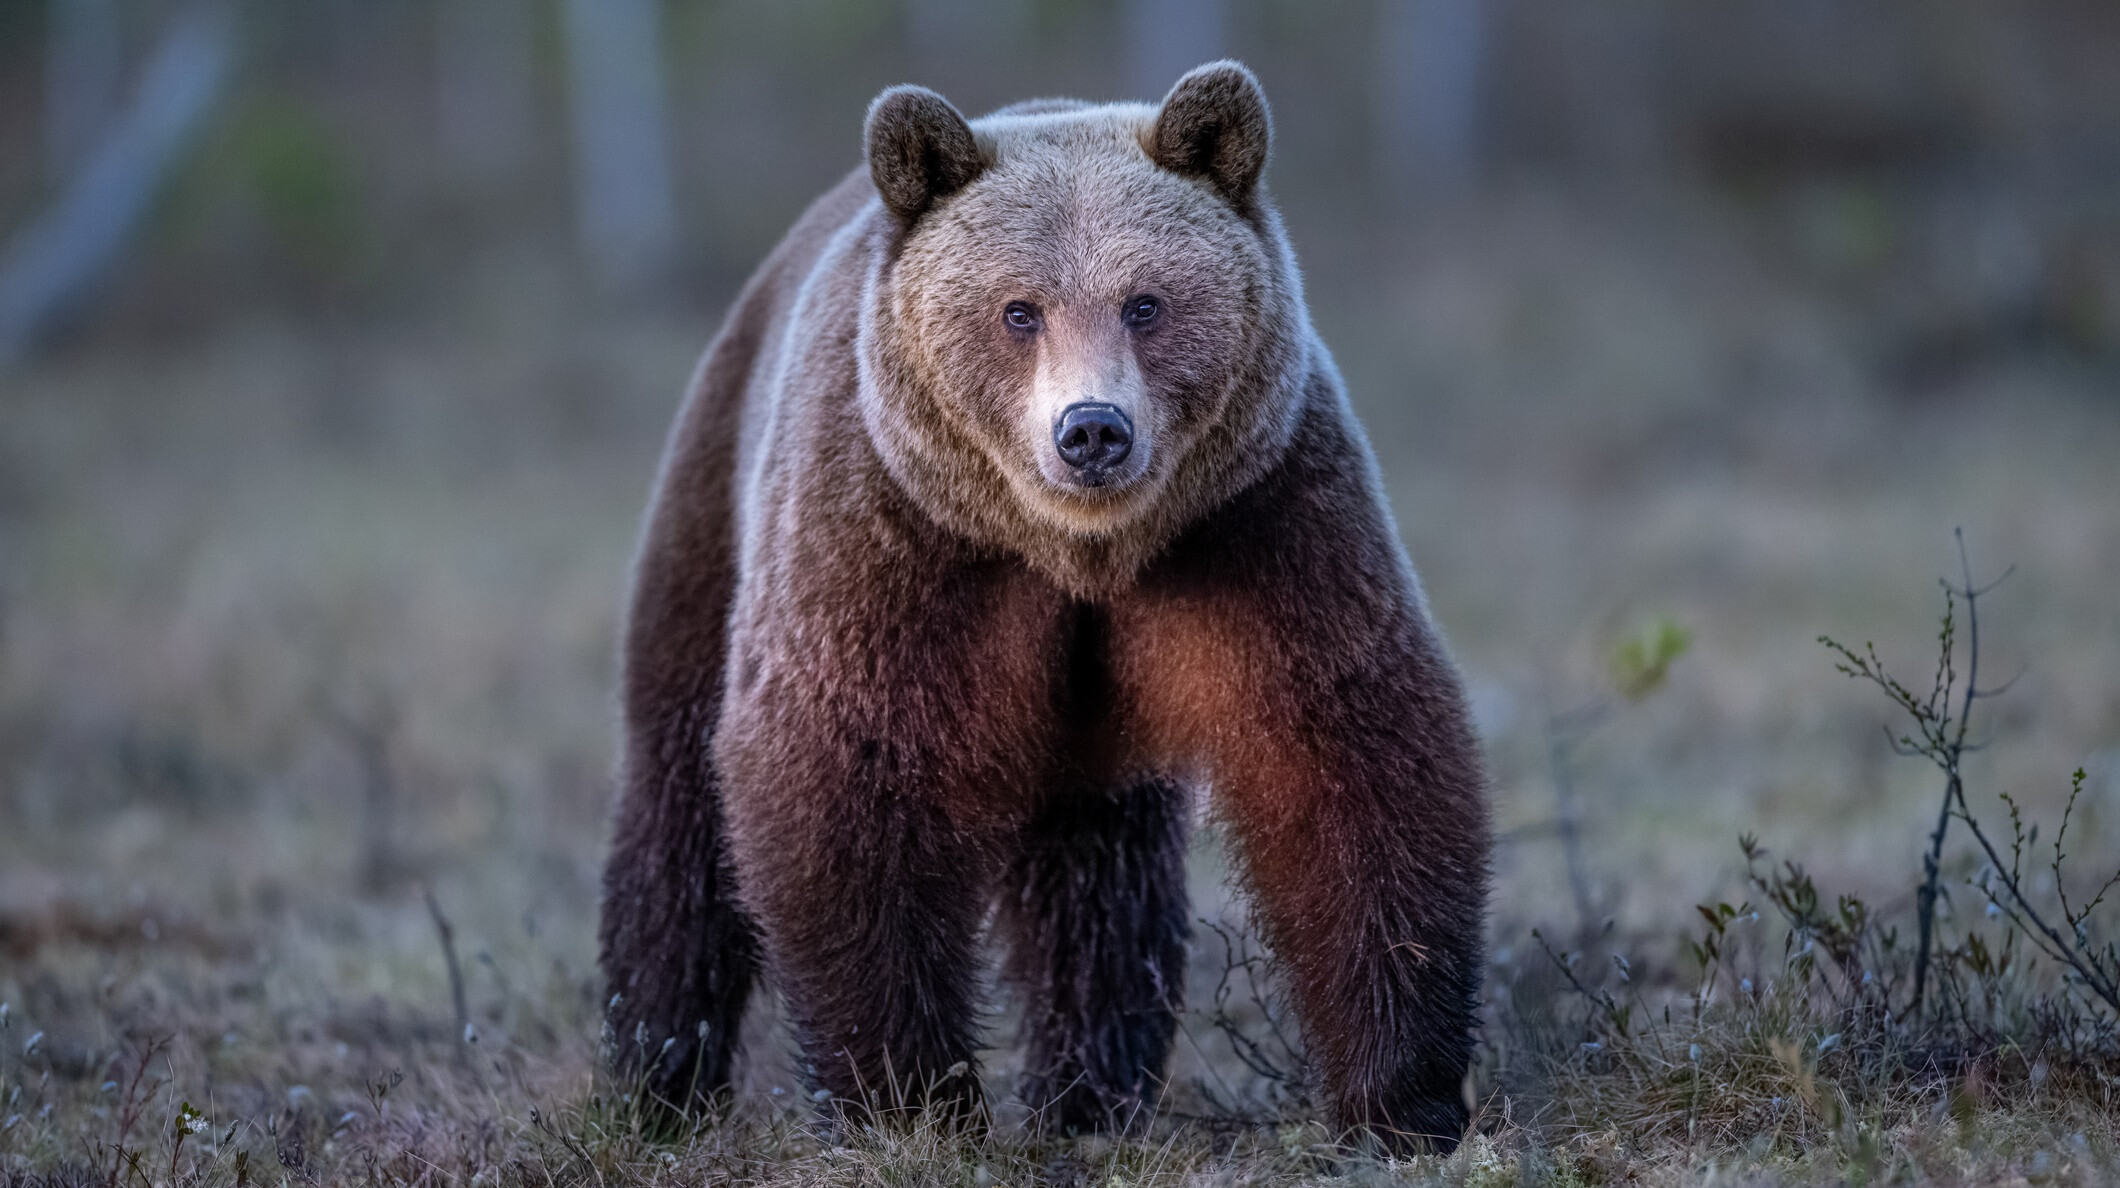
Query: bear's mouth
{"type": "Point", "coordinates": [1097, 484]}
{"type": "Point", "coordinates": [1086, 501]}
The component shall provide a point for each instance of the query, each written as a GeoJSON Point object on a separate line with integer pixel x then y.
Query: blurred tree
{"type": "Point", "coordinates": [51, 265]}
{"type": "Point", "coordinates": [627, 219]}
{"type": "Point", "coordinates": [81, 69]}
{"type": "Point", "coordinates": [1166, 38]}
{"type": "Point", "coordinates": [1431, 66]}
{"type": "Point", "coordinates": [1947, 167]}
{"type": "Point", "coordinates": [485, 88]}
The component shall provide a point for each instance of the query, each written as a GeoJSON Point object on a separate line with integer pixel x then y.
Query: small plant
{"type": "Point", "coordinates": [1638, 664]}
{"type": "Point", "coordinates": [1641, 661]}
{"type": "Point", "coordinates": [1818, 1020]}
{"type": "Point", "coordinates": [1942, 719]}
{"type": "Point", "coordinates": [2092, 964]}
{"type": "Point", "coordinates": [1244, 1012]}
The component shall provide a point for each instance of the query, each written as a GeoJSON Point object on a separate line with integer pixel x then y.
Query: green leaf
{"type": "Point", "coordinates": [1641, 661]}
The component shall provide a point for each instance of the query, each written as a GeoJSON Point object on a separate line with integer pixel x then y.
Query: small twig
{"type": "Point", "coordinates": [1943, 735]}
{"type": "Point", "coordinates": [456, 971]}
{"type": "Point", "coordinates": [2027, 918]}
{"type": "Point", "coordinates": [1564, 729]}
{"type": "Point", "coordinates": [129, 1113]}
{"type": "Point", "coordinates": [1602, 999]}
{"type": "Point", "coordinates": [1945, 731]}
{"type": "Point", "coordinates": [1237, 955]}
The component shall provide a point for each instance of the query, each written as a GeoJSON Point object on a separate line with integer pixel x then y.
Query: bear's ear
{"type": "Point", "coordinates": [1214, 125]}
{"type": "Point", "coordinates": [920, 150]}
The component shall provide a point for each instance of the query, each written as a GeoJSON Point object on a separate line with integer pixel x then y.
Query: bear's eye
{"type": "Point", "coordinates": [1021, 316]}
{"type": "Point", "coordinates": [1142, 310]}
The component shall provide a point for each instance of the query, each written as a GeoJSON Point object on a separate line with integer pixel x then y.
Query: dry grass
{"type": "Point", "coordinates": [298, 624]}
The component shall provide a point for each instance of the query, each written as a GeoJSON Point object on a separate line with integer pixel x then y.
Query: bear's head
{"type": "Point", "coordinates": [1083, 326]}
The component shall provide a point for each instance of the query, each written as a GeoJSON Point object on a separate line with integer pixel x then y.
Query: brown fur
{"type": "Point", "coordinates": [885, 664]}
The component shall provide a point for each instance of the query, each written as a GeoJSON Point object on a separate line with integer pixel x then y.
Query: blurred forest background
{"type": "Point", "coordinates": [339, 338]}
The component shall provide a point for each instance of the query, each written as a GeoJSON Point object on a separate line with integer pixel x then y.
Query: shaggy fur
{"type": "Point", "coordinates": [1094, 911]}
{"type": "Point", "coordinates": [889, 660]}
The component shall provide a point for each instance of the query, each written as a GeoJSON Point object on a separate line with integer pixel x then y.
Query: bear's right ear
{"type": "Point", "coordinates": [1214, 125]}
{"type": "Point", "coordinates": [920, 150]}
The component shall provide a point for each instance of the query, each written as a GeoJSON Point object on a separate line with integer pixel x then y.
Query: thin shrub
{"type": "Point", "coordinates": [1798, 1016]}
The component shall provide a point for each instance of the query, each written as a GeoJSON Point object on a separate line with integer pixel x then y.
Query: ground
{"type": "Point", "coordinates": [307, 638]}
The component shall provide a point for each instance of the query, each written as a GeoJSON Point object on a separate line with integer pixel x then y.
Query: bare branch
{"type": "Point", "coordinates": [2005, 686]}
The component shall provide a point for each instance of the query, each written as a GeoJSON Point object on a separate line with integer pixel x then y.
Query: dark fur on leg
{"type": "Point", "coordinates": [877, 961]}
{"type": "Point", "coordinates": [879, 745]}
{"type": "Point", "coordinates": [678, 954]}
{"type": "Point", "coordinates": [1096, 918]}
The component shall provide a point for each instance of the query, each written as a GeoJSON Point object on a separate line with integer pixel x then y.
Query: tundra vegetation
{"type": "Point", "coordinates": [315, 520]}
{"type": "Point", "coordinates": [308, 782]}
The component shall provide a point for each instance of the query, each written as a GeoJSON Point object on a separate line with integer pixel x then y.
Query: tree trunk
{"type": "Point", "coordinates": [51, 265]}
{"type": "Point", "coordinates": [485, 89]}
{"type": "Point", "coordinates": [1431, 70]}
{"type": "Point", "coordinates": [627, 221]}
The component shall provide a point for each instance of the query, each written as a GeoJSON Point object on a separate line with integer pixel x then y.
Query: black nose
{"type": "Point", "coordinates": [1093, 436]}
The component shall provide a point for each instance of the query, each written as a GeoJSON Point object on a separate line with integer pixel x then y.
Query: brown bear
{"type": "Point", "coordinates": [1015, 504]}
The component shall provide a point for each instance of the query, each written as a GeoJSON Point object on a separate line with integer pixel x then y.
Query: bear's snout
{"type": "Point", "coordinates": [1093, 438]}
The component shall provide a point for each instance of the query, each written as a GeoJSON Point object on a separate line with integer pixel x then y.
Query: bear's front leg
{"type": "Point", "coordinates": [1094, 908]}
{"type": "Point", "coordinates": [876, 751]}
{"type": "Point", "coordinates": [1282, 646]}
{"type": "Point", "coordinates": [1358, 826]}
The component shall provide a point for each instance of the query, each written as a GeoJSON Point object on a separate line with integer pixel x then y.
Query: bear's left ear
{"type": "Point", "coordinates": [1214, 125]}
{"type": "Point", "coordinates": [920, 150]}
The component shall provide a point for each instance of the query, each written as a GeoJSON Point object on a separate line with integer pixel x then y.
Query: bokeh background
{"type": "Point", "coordinates": [340, 336]}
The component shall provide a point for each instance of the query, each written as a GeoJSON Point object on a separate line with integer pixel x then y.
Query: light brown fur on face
{"type": "Point", "coordinates": [889, 663]}
{"type": "Point", "coordinates": [1068, 212]}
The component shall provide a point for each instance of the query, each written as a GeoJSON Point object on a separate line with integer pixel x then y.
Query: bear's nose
{"type": "Point", "coordinates": [1093, 436]}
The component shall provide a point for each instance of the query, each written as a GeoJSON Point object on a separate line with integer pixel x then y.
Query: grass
{"type": "Point", "coordinates": [211, 1072]}
{"type": "Point", "coordinates": [305, 627]}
